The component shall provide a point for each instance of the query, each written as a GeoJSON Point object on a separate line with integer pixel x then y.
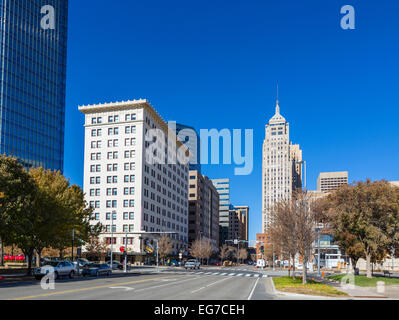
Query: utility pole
{"type": "Point", "coordinates": [112, 237]}
{"type": "Point", "coordinates": [125, 254]}
{"type": "Point", "coordinates": [73, 239]}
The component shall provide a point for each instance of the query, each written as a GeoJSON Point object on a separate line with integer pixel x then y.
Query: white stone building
{"type": "Point", "coordinates": [281, 172]}
{"type": "Point", "coordinates": [129, 193]}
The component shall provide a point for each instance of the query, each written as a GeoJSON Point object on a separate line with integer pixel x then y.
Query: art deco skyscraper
{"type": "Point", "coordinates": [32, 81]}
{"type": "Point", "coordinates": [281, 173]}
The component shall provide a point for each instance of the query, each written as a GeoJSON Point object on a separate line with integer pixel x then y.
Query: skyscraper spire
{"type": "Point", "coordinates": [277, 103]}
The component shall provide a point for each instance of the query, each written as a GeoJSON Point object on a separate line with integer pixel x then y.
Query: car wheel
{"type": "Point", "coordinates": [97, 274]}
{"type": "Point", "coordinates": [38, 277]}
{"type": "Point", "coordinates": [55, 275]}
{"type": "Point", "coordinates": [71, 275]}
{"type": "Point", "coordinates": [109, 273]}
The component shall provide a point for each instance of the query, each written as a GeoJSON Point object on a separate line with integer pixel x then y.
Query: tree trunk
{"type": "Point", "coordinates": [29, 253]}
{"type": "Point", "coordinates": [368, 265]}
{"type": "Point", "coordinates": [293, 266]}
{"type": "Point", "coordinates": [39, 256]}
{"type": "Point", "coordinates": [304, 262]}
{"type": "Point", "coordinates": [61, 254]}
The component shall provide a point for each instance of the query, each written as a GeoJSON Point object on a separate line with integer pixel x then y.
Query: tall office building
{"type": "Point", "coordinates": [239, 223]}
{"type": "Point", "coordinates": [223, 188]}
{"type": "Point", "coordinates": [281, 170]}
{"type": "Point", "coordinates": [203, 209]}
{"type": "Point", "coordinates": [189, 136]}
{"type": "Point", "coordinates": [130, 193]}
{"type": "Point", "coordinates": [330, 181]}
{"type": "Point", "coordinates": [32, 82]}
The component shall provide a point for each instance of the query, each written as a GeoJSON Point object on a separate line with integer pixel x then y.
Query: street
{"type": "Point", "coordinates": [169, 284]}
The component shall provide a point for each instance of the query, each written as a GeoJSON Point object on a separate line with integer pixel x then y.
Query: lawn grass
{"type": "Point", "coordinates": [288, 284]}
{"type": "Point", "coordinates": [363, 281]}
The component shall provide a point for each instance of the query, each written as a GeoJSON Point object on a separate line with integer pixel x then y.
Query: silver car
{"type": "Point", "coordinates": [192, 264]}
{"type": "Point", "coordinates": [60, 268]}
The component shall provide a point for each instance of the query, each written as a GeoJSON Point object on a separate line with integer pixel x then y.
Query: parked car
{"type": "Point", "coordinates": [60, 268]}
{"type": "Point", "coordinates": [95, 269]}
{"type": "Point", "coordinates": [192, 264]}
{"type": "Point", "coordinates": [117, 265]}
{"type": "Point", "coordinates": [82, 263]}
{"type": "Point", "coordinates": [173, 263]}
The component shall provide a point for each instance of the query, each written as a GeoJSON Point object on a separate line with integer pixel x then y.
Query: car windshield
{"type": "Point", "coordinates": [192, 260]}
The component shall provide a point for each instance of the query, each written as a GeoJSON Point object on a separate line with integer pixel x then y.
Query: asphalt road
{"type": "Point", "coordinates": [169, 284]}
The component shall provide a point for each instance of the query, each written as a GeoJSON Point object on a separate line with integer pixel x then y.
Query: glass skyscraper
{"type": "Point", "coordinates": [33, 81]}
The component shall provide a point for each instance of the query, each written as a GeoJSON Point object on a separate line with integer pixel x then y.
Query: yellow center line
{"type": "Point", "coordinates": [85, 289]}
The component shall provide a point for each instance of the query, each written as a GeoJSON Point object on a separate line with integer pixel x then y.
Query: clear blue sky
{"type": "Point", "coordinates": [215, 64]}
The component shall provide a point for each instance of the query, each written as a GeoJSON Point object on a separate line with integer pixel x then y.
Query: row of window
{"type": "Point", "coordinates": [112, 119]}
{"type": "Point", "coordinates": [113, 179]}
{"type": "Point", "coordinates": [112, 204]}
{"type": "Point", "coordinates": [113, 131]}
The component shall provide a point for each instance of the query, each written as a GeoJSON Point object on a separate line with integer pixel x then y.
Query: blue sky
{"type": "Point", "coordinates": [216, 64]}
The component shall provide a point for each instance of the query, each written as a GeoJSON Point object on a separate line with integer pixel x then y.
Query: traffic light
{"type": "Point", "coordinates": [262, 249]}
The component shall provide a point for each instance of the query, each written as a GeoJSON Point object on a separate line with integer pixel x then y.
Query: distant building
{"type": "Point", "coordinates": [394, 183]}
{"type": "Point", "coordinates": [281, 168]}
{"type": "Point", "coordinates": [203, 209]}
{"type": "Point", "coordinates": [223, 188]}
{"type": "Point", "coordinates": [331, 181]}
{"type": "Point", "coordinates": [189, 136]}
{"type": "Point", "coordinates": [239, 221]}
{"type": "Point", "coordinates": [262, 239]}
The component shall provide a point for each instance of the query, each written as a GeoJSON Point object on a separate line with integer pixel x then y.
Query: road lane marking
{"type": "Point", "coordinates": [264, 276]}
{"type": "Point", "coordinates": [248, 275]}
{"type": "Point", "coordinates": [253, 289]}
{"type": "Point", "coordinates": [125, 288]}
{"type": "Point", "coordinates": [167, 284]}
{"type": "Point", "coordinates": [209, 285]}
{"type": "Point", "coordinates": [232, 274]}
{"type": "Point", "coordinates": [257, 275]}
{"type": "Point", "coordinates": [239, 275]}
{"type": "Point", "coordinates": [83, 289]}
{"type": "Point", "coordinates": [208, 273]}
{"type": "Point", "coordinates": [223, 274]}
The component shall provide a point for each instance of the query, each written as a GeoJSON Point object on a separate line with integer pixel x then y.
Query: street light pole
{"type": "Point", "coordinates": [318, 252]}
{"type": "Point", "coordinates": [112, 237]}
{"type": "Point", "coordinates": [73, 239]}
{"type": "Point", "coordinates": [125, 253]}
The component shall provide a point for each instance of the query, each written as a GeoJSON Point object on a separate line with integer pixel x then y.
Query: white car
{"type": "Point", "coordinates": [60, 268]}
{"type": "Point", "coordinates": [192, 264]}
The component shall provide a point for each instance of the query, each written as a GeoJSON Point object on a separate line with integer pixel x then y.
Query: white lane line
{"type": "Point", "coordinates": [257, 275]}
{"type": "Point", "coordinates": [209, 285]}
{"type": "Point", "coordinates": [248, 275]}
{"type": "Point", "coordinates": [124, 288]}
{"type": "Point", "coordinates": [239, 275]}
{"type": "Point", "coordinates": [166, 284]}
{"type": "Point", "coordinates": [215, 274]}
{"type": "Point", "coordinates": [232, 274]}
{"type": "Point", "coordinates": [253, 289]}
{"type": "Point", "coordinates": [223, 274]}
{"type": "Point", "coordinates": [208, 273]}
{"type": "Point", "coordinates": [200, 272]}
{"type": "Point", "coordinates": [264, 276]}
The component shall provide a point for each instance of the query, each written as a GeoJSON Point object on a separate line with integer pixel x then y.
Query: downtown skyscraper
{"type": "Point", "coordinates": [281, 169]}
{"type": "Point", "coordinates": [33, 80]}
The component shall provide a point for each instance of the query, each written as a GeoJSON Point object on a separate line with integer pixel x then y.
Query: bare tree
{"type": "Point", "coordinates": [196, 249]}
{"type": "Point", "coordinates": [283, 231]}
{"type": "Point", "coordinates": [305, 228]}
{"type": "Point", "coordinates": [206, 249]}
{"type": "Point", "coordinates": [224, 252]}
{"type": "Point", "coordinates": [243, 254]}
{"type": "Point", "coordinates": [96, 248]}
{"type": "Point", "coordinates": [164, 247]}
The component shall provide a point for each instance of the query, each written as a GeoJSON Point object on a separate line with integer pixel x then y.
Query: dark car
{"type": "Point", "coordinates": [96, 270]}
{"type": "Point", "coordinates": [117, 265]}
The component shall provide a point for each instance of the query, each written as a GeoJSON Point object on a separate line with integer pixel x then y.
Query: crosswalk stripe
{"type": "Point", "coordinates": [232, 274]}
{"type": "Point", "coordinates": [239, 275]}
{"type": "Point", "coordinates": [257, 275]}
{"type": "Point", "coordinates": [248, 275]}
{"type": "Point", "coordinates": [208, 273]}
{"type": "Point", "coordinates": [264, 276]}
{"type": "Point", "coordinates": [216, 273]}
{"type": "Point", "coordinates": [223, 274]}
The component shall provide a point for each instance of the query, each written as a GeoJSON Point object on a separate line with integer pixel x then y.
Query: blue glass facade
{"type": "Point", "coordinates": [33, 81]}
